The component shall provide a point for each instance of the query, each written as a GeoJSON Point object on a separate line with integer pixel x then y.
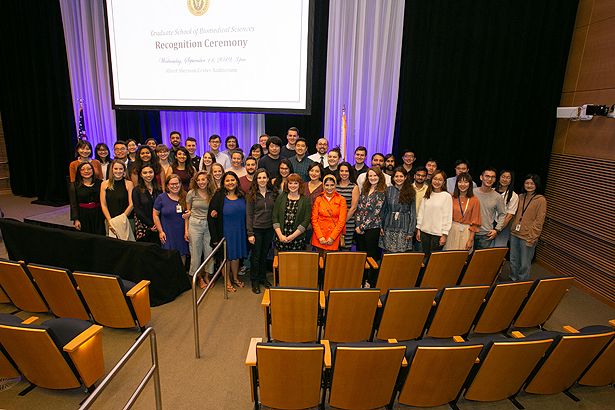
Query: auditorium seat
{"type": "Point", "coordinates": [503, 303]}
{"type": "Point", "coordinates": [505, 364]}
{"type": "Point", "coordinates": [455, 311]}
{"type": "Point", "coordinates": [364, 375]}
{"type": "Point", "coordinates": [437, 370]}
{"type": "Point", "coordinates": [483, 267]}
{"type": "Point", "coordinates": [544, 297]}
{"type": "Point", "coordinates": [296, 269]}
{"type": "Point", "coordinates": [405, 313]}
{"type": "Point", "coordinates": [57, 287]}
{"type": "Point", "coordinates": [443, 269]}
{"type": "Point", "coordinates": [57, 354]}
{"type": "Point", "coordinates": [399, 270]}
{"type": "Point", "coordinates": [349, 316]}
{"type": "Point", "coordinates": [115, 302]}
{"type": "Point", "coordinates": [570, 354]}
{"type": "Point", "coordinates": [285, 375]}
{"type": "Point", "coordinates": [344, 270]}
{"type": "Point", "coordinates": [601, 372]}
{"type": "Point", "coordinates": [291, 314]}
{"type": "Point", "coordinates": [19, 287]}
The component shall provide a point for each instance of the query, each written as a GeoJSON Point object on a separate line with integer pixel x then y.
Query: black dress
{"type": "Point", "coordinates": [143, 204]}
{"type": "Point", "coordinates": [117, 198]}
{"type": "Point", "coordinates": [85, 207]}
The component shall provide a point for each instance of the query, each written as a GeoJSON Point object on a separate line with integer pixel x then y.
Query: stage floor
{"type": "Point", "coordinates": [57, 218]}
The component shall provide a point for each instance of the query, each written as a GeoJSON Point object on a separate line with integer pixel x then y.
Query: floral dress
{"type": "Point", "coordinates": [399, 223]}
{"type": "Point", "coordinates": [290, 214]}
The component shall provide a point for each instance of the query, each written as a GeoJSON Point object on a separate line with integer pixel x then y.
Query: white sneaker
{"type": "Point", "coordinates": [243, 271]}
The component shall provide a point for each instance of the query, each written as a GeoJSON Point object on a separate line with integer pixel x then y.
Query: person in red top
{"type": "Point", "coordinates": [466, 215]}
{"type": "Point", "coordinates": [328, 217]}
{"type": "Point", "coordinates": [83, 152]}
{"type": "Point", "coordinates": [246, 180]}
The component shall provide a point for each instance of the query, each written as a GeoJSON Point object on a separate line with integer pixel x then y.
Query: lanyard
{"type": "Point", "coordinates": [524, 207]}
{"type": "Point", "coordinates": [463, 211]}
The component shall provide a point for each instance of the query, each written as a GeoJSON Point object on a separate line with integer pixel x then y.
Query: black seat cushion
{"type": "Point", "coordinates": [7, 319]}
{"type": "Point", "coordinates": [63, 330]}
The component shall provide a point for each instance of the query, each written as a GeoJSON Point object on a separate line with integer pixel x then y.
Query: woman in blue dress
{"type": "Point", "coordinates": [169, 210]}
{"type": "Point", "coordinates": [227, 219]}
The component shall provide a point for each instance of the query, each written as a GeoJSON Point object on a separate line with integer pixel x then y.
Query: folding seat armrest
{"type": "Point", "coordinates": [30, 320]}
{"type": "Point", "coordinates": [372, 263]}
{"type": "Point", "coordinates": [276, 262]}
{"type": "Point", "coordinates": [404, 362]}
{"type": "Point", "coordinates": [517, 335]}
{"type": "Point", "coordinates": [251, 356]}
{"type": "Point", "coordinates": [322, 300]}
{"type": "Point", "coordinates": [81, 338]}
{"type": "Point", "coordinates": [86, 353]}
{"type": "Point", "coordinates": [266, 301]}
{"type": "Point", "coordinates": [570, 329]}
{"type": "Point", "coordinates": [458, 339]}
{"type": "Point", "coordinates": [379, 303]}
{"type": "Point", "coordinates": [612, 322]}
{"type": "Point", "coordinates": [137, 288]}
{"type": "Point", "coordinates": [321, 262]}
{"type": "Point", "coordinates": [327, 357]}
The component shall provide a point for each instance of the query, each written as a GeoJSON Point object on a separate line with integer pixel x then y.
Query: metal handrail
{"type": "Point", "coordinates": [153, 371]}
{"type": "Point", "coordinates": [197, 301]}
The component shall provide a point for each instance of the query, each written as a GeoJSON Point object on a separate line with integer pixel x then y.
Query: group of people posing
{"type": "Point", "coordinates": [279, 194]}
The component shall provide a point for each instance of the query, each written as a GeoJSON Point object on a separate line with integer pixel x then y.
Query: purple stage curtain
{"type": "Point", "coordinates": [363, 64]}
{"type": "Point", "coordinates": [86, 50]}
{"type": "Point", "coordinates": [200, 125]}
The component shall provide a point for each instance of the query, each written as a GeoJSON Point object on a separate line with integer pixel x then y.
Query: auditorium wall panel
{"type": "Point", "coordinates": [578, 235]}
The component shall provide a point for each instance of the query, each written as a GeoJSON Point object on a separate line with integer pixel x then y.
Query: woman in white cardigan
{"type": "Point", "coordinates": [435, 215]}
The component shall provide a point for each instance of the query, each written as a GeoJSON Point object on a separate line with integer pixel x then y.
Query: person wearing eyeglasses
{"type": "Point", "coordinates": [492, 211]}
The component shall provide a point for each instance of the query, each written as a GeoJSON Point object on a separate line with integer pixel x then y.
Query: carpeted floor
{"type": "Point", "coordinates": [219, 380]}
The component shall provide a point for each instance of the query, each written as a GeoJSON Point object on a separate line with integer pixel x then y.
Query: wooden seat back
{"type": "Point", "coordinates": [37, 357]}
{"type": "Point", "coordinates": [504, 369]}
{"type": "Point", "coordinates": [350, 315]}
{"type": "Point", "coordinates": [502, 306]}
{"type": "Point", "coordinates": [456, 310]}
{"type": "Point", "coordinates": [7, 370]}
{"type": "Point", "coordinates": [298, 269]}
{"type": "Point", "coordinates": [399, 270]}
{"type": "Point", "coordinates": [566, 362]}
{"type": "Point", "coordinates": [294, 315]}
{"type": "Point", "coordinates": [343, 270]}
{"type": "Point", "coordinates": [364, 377]}
{"type": "Point", "coordinates": [443, 269]}
{"type": "Point", "coordinates": [59, 292]}
{"type": "Point", "coordinates": [602, 370]}
{"type": "Point", "coordinates": [543, 300]}
{"type": "Point", "coordinates": [105, 299]}
{"type": "Point", "coordinates": [289, 377]}
{"type": "Point", "coordinates": [19, 287]}
{"type": "Point", "coordinates": [437, 374]}
{"type": "Point", "coordinates": [405, 313]}
{"type": "Point", "coordinates": [3, 297]}
{"type": "Point", "coordinates": [484, 266]}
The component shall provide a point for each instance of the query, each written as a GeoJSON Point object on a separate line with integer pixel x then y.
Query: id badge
{"type": "Point", "coordinates": [396, 216]}
{"type": "Point", "coordinates": [518, 227]}
{"type": "Point", "coordinates": [178, 209]}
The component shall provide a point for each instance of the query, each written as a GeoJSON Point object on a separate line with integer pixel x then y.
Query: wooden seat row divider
{"type": "Point", "coordinates": [429, 373]}
{"type": "Point", "coordinates": [355, 315]}
{"type": "Point", "coordinates": [80, 295]}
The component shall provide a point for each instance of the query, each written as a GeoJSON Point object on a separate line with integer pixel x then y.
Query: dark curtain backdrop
{"type": "Point", "coordinates": [310, 126]}
{"type": "Point", "coordinates": [481, 80]}
{"type": "Point", "coordinates": [138, 125]}
{"type": "Point", "coordinates": [35, 99]}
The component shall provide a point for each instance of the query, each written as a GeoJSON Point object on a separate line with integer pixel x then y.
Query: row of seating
{"type": "Point", "coordinates": [106, 299]}
{"type": "Point", "coordinates": [431, 372]}
{"type": "Point", "coordinates": [398, 270]}
{"type": "Point", "coordinates": [59, 353]}
{"type": "Point", "coordinates": [355, 315]}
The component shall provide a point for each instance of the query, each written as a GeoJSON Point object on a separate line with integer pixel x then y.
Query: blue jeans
{"type": "Point", "coordinates": [521, 256]}
{"type": "Point", "coordinates": [481, 242]}
{"type": "Point", "coordinates": [501, 241]}
{"type": "Point", "coordinates": [198, 233]}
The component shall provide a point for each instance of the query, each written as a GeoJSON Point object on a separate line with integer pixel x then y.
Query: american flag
{"type": "Point", "coordinates": [81, 134]}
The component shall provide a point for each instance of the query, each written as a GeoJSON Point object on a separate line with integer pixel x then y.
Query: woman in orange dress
{"type": "Point", "coordinates": [328, 217]}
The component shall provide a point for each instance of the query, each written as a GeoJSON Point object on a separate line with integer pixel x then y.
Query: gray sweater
{"type": "Point", "coordinates": [492, 209]}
